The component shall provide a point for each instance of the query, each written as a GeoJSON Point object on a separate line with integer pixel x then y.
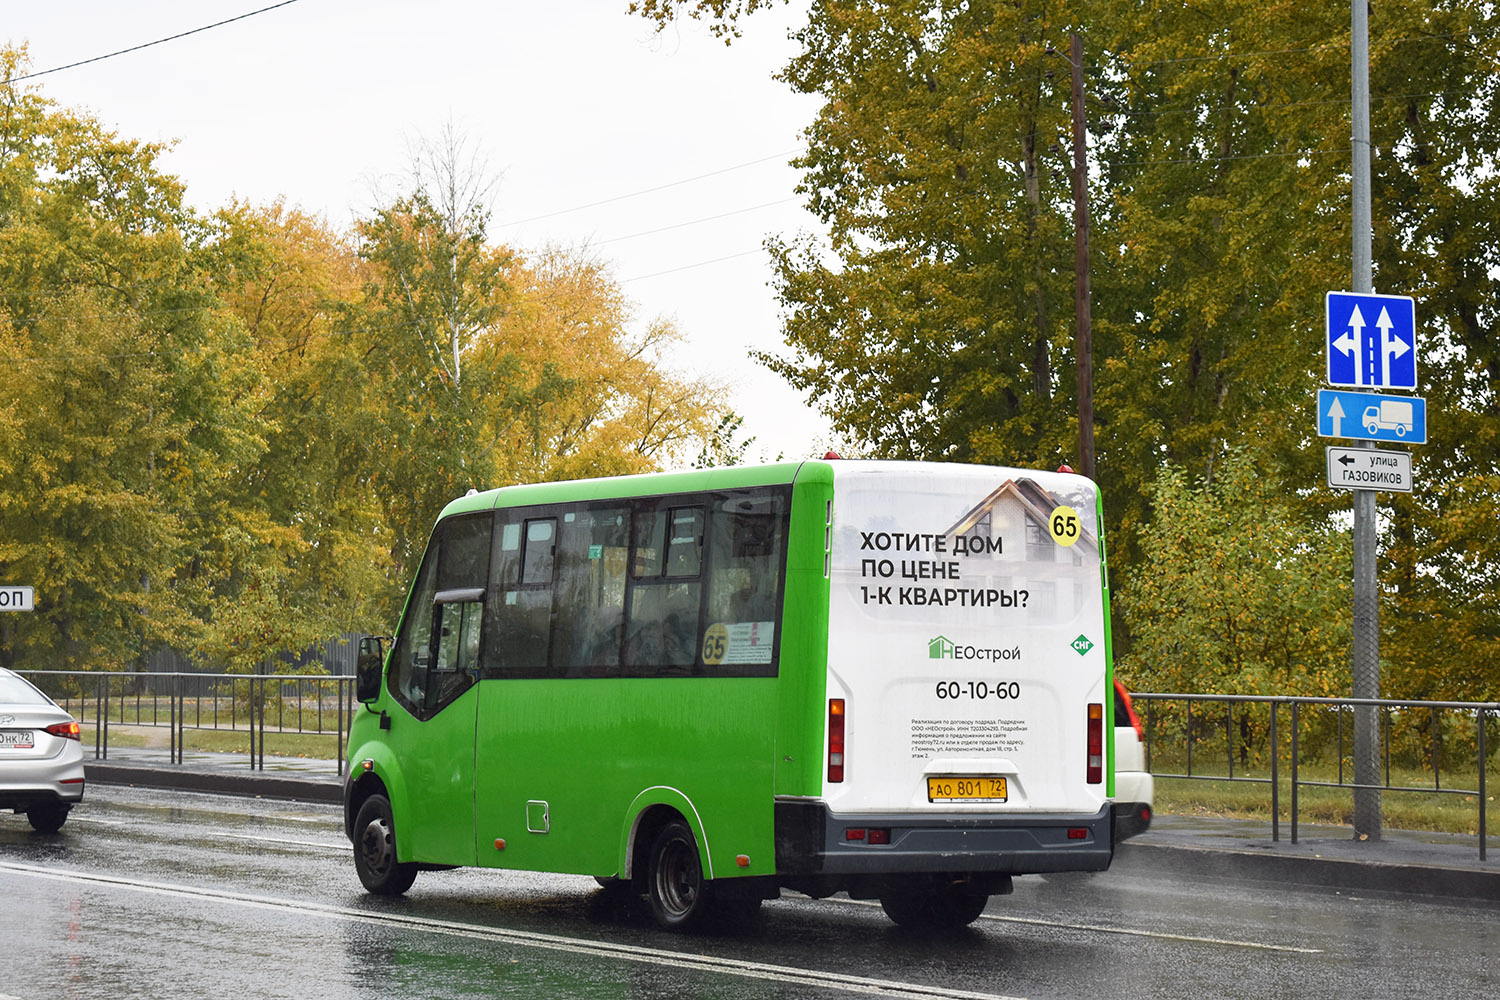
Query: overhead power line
{"type": "Point", "coordinates": [689, 267]}
{"type": "Point", "coordinates": [694, 222]}
{"type": "Point", "coordinates": [650, 190]}
{"type": "Point", "coordinates": [147, 45]}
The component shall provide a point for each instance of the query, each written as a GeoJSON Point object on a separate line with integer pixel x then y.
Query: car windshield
{"type": "Point", "coordinates": [14, 691]}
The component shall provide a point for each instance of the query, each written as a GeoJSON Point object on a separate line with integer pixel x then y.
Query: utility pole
{"type": "Point", "coordinates": [1083, 346]}
{"type": "Point", "coordinates": [1366, 662]}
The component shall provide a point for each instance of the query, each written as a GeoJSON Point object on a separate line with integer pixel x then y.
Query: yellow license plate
{"type": "Point", "coordinates": [983, 788]}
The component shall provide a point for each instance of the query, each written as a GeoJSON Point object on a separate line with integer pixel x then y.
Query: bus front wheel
{"type": "Point", "coordinates": [941, 908]}
{"type": "Point", "coordinates": [676, 888]}
{"type": "Point", "coordinates": [375, 850]}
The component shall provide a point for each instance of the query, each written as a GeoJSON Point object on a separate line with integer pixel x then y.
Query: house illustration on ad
{"type": "Point", "coordinates": [1017, 511]}
{"type": "Point", "coordinates": [1009, 539]}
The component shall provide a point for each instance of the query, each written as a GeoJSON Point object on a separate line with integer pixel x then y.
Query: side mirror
{"type": "Point", "coordinates": [369, 667]}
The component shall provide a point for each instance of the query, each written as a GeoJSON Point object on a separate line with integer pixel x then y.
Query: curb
{"type": "Point", "coordinates": [1331, 873]}
{"type": "Point", "coordinates": [259, 784]}
{"type": "Point", "coordinates": [1465, 883]}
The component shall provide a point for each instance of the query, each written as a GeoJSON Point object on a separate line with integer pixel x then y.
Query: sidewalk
{"type": "Point", "coordinates": [1431, 864]}
{"type": "Point", "coordinates": [1434, 864]}
{"type": "Point", "coordinates": [306, 778]}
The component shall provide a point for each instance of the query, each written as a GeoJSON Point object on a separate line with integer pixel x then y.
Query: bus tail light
{"type": "Point", "coordinates": [1096, 743]}
{"type": "Point", "coordinates": [835, 739]}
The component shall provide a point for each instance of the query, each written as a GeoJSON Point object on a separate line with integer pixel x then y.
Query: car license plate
{"type": "Point", "coordinates": [17, 739]}
{"type": "Point", "coordinates": [979, 788]}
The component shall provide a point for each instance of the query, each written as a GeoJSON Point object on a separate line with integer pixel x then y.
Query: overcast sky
{"type": "Point", "coordinates": [574, 103]}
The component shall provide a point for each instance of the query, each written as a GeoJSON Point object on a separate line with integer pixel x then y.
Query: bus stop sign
{"type": "Point", "coordinates": [17, 598]}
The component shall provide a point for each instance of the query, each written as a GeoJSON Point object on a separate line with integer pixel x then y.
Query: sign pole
{"type": "Point", "coordinates": [1081, 295]}
{"type": "Point", "coordinates": [1366, 653]}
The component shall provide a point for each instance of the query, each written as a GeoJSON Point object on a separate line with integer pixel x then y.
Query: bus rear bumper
{"type": "Point", "coordinates": [812, 840]}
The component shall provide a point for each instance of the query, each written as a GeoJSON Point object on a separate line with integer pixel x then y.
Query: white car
{"type": "Point", "coordinates": [41, 755]}
{"type": "Point", "coordinates": [1134, 786]}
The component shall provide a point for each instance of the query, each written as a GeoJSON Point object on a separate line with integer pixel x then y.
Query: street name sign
{"type": "Point", "coordinates": [17, 598]}
{"type": "Point", "coordinates": [1369, 469]}
{"type": "Point", "coordinates": [1372, 340]}
{"type": "Point", "coordinates": [1369, 416]}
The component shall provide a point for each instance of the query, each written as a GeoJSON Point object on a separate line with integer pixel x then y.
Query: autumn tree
{"type": "Point", "coordinates": [433, 284]}
{"type": "Point", "coordinates": [230, 434]}
{"type": "Point", "coordinates": [130, 403]}
{"type": "Point", "coordinates": [1437, 237]}
{"type": "Point", "coordinates": [1235, 594]}
{"type": "Point", "coordinates": [622, 409]}
{"type": "Point", "coordinates": [326, 566]}
{"type": "Point", "coordinates": [491, 367]}
{"type": "Point", "coordinates": [939, 326]}
{"type": "Point", "coordinates": [1229, 167]}
{"type": "Point", "coordinates": [928, 319]}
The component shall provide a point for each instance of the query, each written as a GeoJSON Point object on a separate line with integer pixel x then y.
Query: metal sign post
{"type": "Point", "coordinates": [1366, 654]}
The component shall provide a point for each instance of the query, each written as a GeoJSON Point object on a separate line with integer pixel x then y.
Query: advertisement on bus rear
{"type": "Point", "coordinates": [967, 629]}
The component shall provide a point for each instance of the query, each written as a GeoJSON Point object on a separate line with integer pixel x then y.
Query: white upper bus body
{"type": "Point", "coordinates": [968, 640]}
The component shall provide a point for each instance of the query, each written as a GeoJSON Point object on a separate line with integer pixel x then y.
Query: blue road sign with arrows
{"type": "Point", "coordinates": [1372, 340]}
{"type": "Point", "coordinates": [1368, 416]}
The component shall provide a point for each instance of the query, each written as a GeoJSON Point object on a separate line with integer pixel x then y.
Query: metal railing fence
{"type": "Point", "coordinates": [1314, 736]}
{"type": "Point", "coordinates": [1188, 736]}
{"type": "Point", "coordinates": [253, 704]}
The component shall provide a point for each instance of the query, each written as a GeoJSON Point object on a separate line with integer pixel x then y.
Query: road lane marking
{"type": "Point", "coordinates": [526, 939]}
{"type": "Point", "coordinates": [1135, 932]}
{"type": "Point", "coordinates": [1127, 931]}
{"type": "Point", "coordinates": [343, 848]}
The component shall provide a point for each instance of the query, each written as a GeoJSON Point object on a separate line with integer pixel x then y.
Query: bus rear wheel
{"type": "Point", "coordinates": [939, 908]}
{"type": "Point", "coordinates": [675, 886]}
{"type": "Point", "coordinates": [375, 850]}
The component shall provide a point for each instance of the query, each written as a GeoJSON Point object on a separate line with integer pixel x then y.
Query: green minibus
{"type": "Point", "coordinates": [889, 679]}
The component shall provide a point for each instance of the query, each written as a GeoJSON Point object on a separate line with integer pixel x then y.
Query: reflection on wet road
{"type": "Point", "coordinates": [150, 893]}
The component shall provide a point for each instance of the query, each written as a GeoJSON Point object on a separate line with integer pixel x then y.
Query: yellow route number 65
{"type": "Point", "coordinates": [1064, 526]}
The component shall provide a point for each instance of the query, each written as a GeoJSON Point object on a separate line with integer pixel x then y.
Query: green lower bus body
{"type": "Point", "coordinates": [559, 796]}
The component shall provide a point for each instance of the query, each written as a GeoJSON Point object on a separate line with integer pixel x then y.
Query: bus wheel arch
{"type": "Point", "coordinates": [652, 810]}
{"type": "Point", "coordinates": [362, 788]}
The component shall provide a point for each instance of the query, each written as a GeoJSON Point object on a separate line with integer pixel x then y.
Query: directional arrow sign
{"type": "Point", "coordinates": [1368, 469]}
{"type": "Point", "coordinates": [1368, 416]}
{"type": "Point", "coordinates": [1372, 340]}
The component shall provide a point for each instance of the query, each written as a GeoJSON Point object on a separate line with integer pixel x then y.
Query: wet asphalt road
{"type": "Point", "coordinates": [149, 893]}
